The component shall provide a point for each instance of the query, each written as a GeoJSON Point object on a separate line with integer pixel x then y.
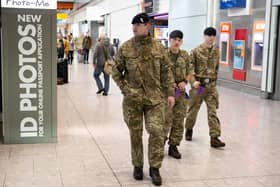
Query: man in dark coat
{"type": "Point", "coordinates": [103, 51]}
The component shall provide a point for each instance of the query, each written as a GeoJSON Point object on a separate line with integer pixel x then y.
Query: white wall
{"type": "Point", "coordinates": [118, 17]}
{"type": "Point", "coordinates": [120, 25]}
{"type": "Point", "coordinates": [94, 13]}
{"type": "Point", "coordinates": [163, 6]}
{"type": "Point", "coordinates": [191, 17]}
{"type": "Point", "coordinates": [79, 16]}
{"type": "Point", "coordinates": [75, 30]}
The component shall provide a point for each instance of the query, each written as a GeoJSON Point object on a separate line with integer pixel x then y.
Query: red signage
{"type": "Point", "coordinates": [225, 31]}
{"type": "Point", "coordinates": [225, 27]}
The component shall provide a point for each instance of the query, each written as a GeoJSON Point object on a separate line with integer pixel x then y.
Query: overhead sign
{"type": "Point", "coordinates": [29, 4]}
{"type": "Point", "coordinates": [65, 5]}
{"type": "Point", "coordinates": [226, 4]}
{"type": "Point", "coordinates": [62, 16]}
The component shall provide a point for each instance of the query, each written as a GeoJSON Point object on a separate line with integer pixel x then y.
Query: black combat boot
{"type": "Point", "coordinates": [155, 175]}
{"type": "Point", "coordinates": [138, 173]}
{"type": "Point", "coordinates": [100, 91]}
{"type": "Point", "coordinates": [188, 135]}
{"type": "Point", "coordinates": [216, 143]}
{"type": "Point", "coordinates": [173, 151]}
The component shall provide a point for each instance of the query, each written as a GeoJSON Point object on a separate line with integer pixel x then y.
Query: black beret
{"type": "Point", "coordinates": [210, 31]}
{"type": "Point", "coordinates": [140, 18]}
{"type": "Point", "coordinates": [176, 34]}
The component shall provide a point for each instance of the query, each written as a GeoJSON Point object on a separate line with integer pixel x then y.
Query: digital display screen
{"type": "Point", "coordinates": [224, 51]}
{"type": "Point", "coordinates": [226, 4]}
{"type": "Point", "coordinates": [258, 53]}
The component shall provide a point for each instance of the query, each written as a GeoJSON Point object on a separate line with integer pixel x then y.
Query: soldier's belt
{"type": "Point", "coordinates": [205, 80]}
{"type": "Point", "coordinates": [177, 82]}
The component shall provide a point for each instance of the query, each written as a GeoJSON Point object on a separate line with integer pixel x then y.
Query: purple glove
{"type": "Point", "coordinates": [176, 92]}
{"type": "Point", "coordinates": [200, 90]}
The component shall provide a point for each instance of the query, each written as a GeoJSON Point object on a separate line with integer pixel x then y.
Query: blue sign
{"type": "Point", "coordinates": [226, 4]}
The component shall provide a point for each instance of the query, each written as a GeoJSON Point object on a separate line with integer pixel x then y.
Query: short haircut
{"type": "Point", "coordinates": [210, 31]}
{"type": "Point", "coordinates": [176, 34]}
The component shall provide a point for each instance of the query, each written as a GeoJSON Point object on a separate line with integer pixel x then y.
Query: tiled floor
{"type": "Point", "coordinates": [93, 145]}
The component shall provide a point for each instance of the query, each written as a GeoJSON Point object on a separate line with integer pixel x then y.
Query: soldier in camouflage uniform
{"type": "Point", "coordinates": [205, 60]}
{"type": "Point", "coordinates": [142, 72]}
{"type": "Point", "coordinates": [181, 69]}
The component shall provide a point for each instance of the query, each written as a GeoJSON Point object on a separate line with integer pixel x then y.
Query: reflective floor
{"type": "Point", "coordinates": [93, 145]}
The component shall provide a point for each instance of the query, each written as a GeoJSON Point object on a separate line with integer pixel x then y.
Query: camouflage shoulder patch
{"type": "Point", "coordinates": [184, 54]}
{"type": "Point", "coordinates": [128, 48]}
{"type": "Point", "coordinates": [157, 46]}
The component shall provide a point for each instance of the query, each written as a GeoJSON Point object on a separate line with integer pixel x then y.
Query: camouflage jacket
{"type": "Point", "coordinates": [205, 61]}
{"type": "Point", "coordinates": [181, 67]}
{"type": "Point", "coordinates": [142, 70]}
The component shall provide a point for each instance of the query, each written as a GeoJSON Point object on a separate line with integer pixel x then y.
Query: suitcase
{"type": "Point", "coordinates": [62, 71]}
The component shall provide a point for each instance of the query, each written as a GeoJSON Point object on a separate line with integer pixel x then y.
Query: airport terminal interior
{"type": "Point", "coordinates": [93, 146]}
{"type": "Point", "coordinates": [59, 129]}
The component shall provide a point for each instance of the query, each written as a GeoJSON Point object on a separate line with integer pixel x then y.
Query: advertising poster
{"type": "Point", "coordinates": [239, 54]}
{"type": "Point", "coordinates": [29, 71]}
{"type": "Point", "coordinates": [161, 34]}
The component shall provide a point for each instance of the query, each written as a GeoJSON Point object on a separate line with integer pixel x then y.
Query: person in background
{"type": "Point", "coordinates": [79, 47]}
{"type": "Point", "coordinates": [66, 47]}
{"type": "Point", "coordinates": [102, 52]}
{"type": "Point", "coordinates": [86, 47]}
{"type": "Point", "coordinates": [62, 51]}
{"type": "Point", "coordinates": [60, 46]}
{"type": "Point", "coordinates": [71, 48]}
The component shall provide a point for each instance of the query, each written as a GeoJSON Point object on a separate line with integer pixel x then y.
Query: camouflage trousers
{"type": "Point", "coordinates": [211, 98]}
{"type": "Point", "coordinates": [133, 113]}
{"type": "Point", "coordinates": [174, 120]}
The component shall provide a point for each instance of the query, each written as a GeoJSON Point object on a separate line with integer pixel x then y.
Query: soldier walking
{"type": "Point", "coordinates": [182, 72]}
{"type": "Point", "coordinates": [205, 60]}
{"type": "Point", "coordinates": [142, 72]}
